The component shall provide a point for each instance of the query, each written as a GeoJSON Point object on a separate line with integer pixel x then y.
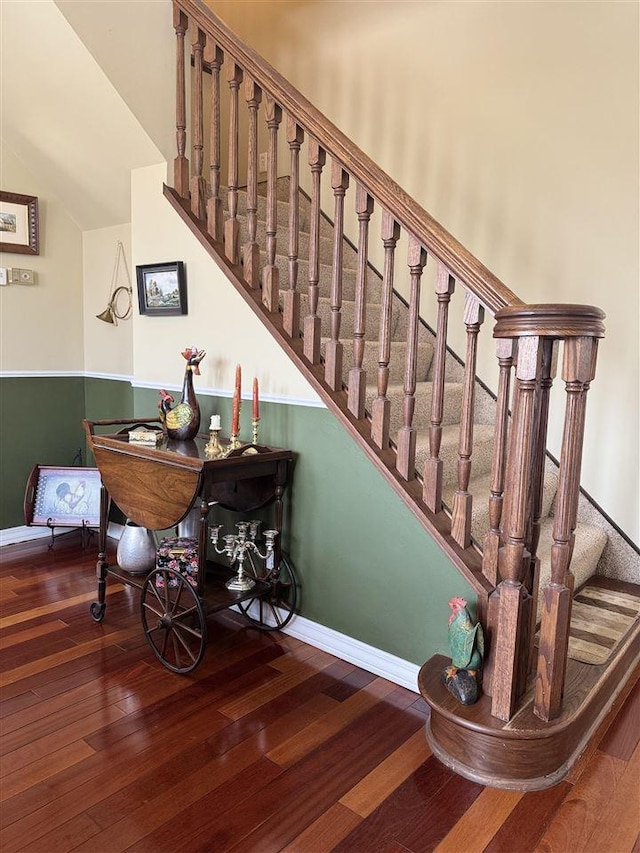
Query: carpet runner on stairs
{"type": "Point", "coordinates": [600, 619]}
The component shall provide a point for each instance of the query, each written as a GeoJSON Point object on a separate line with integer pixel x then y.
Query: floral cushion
{"type": "Point", "coordinates": [178, 554]}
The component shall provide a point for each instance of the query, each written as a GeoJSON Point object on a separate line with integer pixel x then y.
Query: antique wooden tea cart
{"type": "Point", "coordinates": [156, 487]}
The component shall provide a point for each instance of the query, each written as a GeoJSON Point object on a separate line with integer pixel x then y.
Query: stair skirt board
{"type": "Point", "coordinates": [526, 753]}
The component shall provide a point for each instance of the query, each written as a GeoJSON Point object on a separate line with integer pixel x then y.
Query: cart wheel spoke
{"type": "Point", "coordinates": [176, 603]}
{"type": "Point", "coordinates": [279, 601]}
{"type": "Point", "coordinates": [151, 609]}
{"type": "Point", "coordinates": [173, 619]}
{"type": "Point", "coordinates": [177, 636]}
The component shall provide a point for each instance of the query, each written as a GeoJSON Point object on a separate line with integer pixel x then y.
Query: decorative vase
{"type": "Point", "coordinates": [190, 524]}
{"type": "Point", "coordinates": [136, 552]}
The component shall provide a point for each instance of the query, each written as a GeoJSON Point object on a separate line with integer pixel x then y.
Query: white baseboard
{"type": "Point", "coordinates": [13, 535]}
{"type": "Point", "coordinates": [367, 657]}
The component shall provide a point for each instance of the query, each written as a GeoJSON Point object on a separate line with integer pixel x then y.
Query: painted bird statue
{"type": "Point", "coordinates": [466, 645]}
{"type": "Point", "coordinates": [183, 421]}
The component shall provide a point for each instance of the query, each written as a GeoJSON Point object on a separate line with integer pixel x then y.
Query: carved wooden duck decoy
{"type": "Point", "coordinates": [183, 421]}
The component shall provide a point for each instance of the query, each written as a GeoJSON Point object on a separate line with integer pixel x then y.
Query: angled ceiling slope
{"type": "Point", "coordinates": [63, 117]}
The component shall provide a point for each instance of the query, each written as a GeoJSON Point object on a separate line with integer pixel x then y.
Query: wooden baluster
{"type": "Point", "coordinates": [381, 408]}
{"type": "Point", "coordinates": [578, 370]}
{"type": "Point", "coordinates": [215, 57]}
{"type": "Point", "coordinates": [291, 313]}
{"type": "Point", "coordinates": [251, 252]}
{"type": "Point", "coordinates": [538, 454]}
{"type": "Point", "coordinates": [510, 653]}
{"type": "Point", "coordinates": [432, 484]}
{"type": "Point", "coordinates": [504, 352]}
{"type": "Point", "coordinates": [232, 226]}
{"type": "Point", "coordinates": [357, 376]}
{"type": "Point", "coordinates": [333, 353]}
{"type": "Point", "coordinates": [317, 159]}
{"type": "Point", "coordinates": [406, 455]}
{"type": "Point", "coordinates": [270, 274]}
{"type": "Point", "coordinates": [463, 500]}
{"type": "Point", "coordinates": [198, 184]}
{"type": "Point", "coordinates": [181, 163]}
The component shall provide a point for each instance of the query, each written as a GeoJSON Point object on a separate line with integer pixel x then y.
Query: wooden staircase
{"type": "Point", "coordinates": [470, 465]}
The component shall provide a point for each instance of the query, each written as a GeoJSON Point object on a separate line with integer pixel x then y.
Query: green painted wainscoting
{"type": "Point", "coordinates": [368, 569]}
{"type": "Point", "coordinates": [41, 423]}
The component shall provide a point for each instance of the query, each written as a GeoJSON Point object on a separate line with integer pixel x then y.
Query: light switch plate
{"type": "Point", "coordinates": [4, 277]}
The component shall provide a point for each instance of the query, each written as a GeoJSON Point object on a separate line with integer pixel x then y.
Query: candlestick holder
{"type": "Point", "coordinates": [213, 449]}
{"type": "Point", "coordinates": [255, 423]}
{"type": "Point", "coordinates": [234, 442]}
{"type": "Point", "coordinates": [237, 547]}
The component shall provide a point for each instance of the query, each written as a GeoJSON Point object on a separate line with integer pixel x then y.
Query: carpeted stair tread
{"type": "Point", "coordinates": [452, 402]}
{"type": "Point", "coordinates": [480, 488]}
{"type": "Point", "coordinates": [325, 244]}
{"type": "Point", "coordinates": [587, 550]}
{"type": "Point", "coordinates": [482, 450]}
{"type": "Point", "coordinates": [347, 318]}
{"type": "Point", "coordinates": [396, 365]}
{"type": "Point", "coordinates": [326, 227]}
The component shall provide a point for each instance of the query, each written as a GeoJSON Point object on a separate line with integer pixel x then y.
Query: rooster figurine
{"type": "Point", "coordinates": [466, 644]}
{"type": "Point", "coordinates": [183, 421]}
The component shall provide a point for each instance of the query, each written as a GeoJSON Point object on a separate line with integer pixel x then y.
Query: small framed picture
{"type": "Point", "coordinates": [19, 223]}
{"type": "Point", "coordinates": [162, 289]}
{"type": "Point", "coordinates": [63, 497]}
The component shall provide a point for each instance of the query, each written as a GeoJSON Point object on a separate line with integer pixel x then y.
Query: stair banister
{"type": "Point", "coordinates": [527, 337]}
{"type": "Point", "coordinates": [491, 292]}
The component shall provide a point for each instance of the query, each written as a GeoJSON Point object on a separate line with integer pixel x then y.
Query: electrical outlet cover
{"type": "Point", "coordinates": [19, 276]}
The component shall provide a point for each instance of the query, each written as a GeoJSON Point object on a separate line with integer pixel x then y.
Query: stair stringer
{"type": "Point", "coordinates": [468, 561]}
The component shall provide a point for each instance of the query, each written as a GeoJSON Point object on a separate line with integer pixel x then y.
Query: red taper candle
{"type": "Point", "coordinates": [235, 416]}
{"type": "Point", "coordinates": [256, 400]}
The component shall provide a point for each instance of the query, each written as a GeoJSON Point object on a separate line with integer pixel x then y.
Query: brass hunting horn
{"type": "Point", "coordinates": [111, 314]}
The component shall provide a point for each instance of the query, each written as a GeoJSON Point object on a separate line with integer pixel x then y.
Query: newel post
{"type": "Point", "coordinates": [578, 370]}
{"type": "Point", "coordinates": [536, 328]}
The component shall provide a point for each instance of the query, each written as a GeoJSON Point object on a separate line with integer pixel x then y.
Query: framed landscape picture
{"type": "Point", "coordinates": [162, 289]}
{"type": "Point", "coordinates": [19, 223]}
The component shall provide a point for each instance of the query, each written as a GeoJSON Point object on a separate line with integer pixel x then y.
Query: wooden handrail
{"type": "Point", "coordinates": [493, 294]}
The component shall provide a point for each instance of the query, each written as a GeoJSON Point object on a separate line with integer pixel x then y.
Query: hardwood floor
{"type": "Point", "coordinates": [269, 745]}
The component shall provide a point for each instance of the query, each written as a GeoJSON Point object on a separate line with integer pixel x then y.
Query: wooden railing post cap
{"type": "Point", "coordinates": [549, 321]}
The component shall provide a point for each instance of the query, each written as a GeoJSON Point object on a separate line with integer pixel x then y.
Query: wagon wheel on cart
{"type": "Point", "coordinates": [275, 608]}
{"type": "Point", "coordinates": [173, 620]}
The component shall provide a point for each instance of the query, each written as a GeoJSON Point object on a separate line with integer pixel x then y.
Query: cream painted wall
{"type": "Point", "coordinates": [218, 320]}
{"type": "Point", "coordinates": [516, 126]}
{"type": "Point", "coordinates": [108, 348]}
{"type": "Point", "coordinates": [120, 42]}
{"type": "Point", "coordinates": [41, 325]}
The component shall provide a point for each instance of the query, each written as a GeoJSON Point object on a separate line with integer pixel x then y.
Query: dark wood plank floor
{"type": "Point", "coordinates": [269, 745]}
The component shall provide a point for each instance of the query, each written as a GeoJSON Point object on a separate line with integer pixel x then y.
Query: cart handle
{"type": "Point", "coordinates": [89, 425]}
